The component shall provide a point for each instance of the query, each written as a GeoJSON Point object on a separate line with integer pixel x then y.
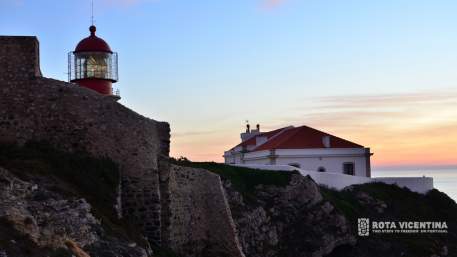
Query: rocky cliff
{"type": "Point", "coordinates": [51, 199]}
{"type": "Point", "coordinates": [281, 214]}
{"type": "Point", "coordinates": [288, 221]}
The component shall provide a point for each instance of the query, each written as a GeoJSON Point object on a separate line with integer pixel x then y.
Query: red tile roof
{"type": "Point", "coordinates": [302, 137]}
{"type": "Point", "coordinates": [252, 140]}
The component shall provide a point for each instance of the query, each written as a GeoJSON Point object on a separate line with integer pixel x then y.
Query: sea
{"type": "Point", "coordinates": [444, 179]}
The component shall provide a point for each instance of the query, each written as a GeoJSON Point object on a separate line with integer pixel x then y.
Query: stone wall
{"type": "Point", "coordinates": [19, 58]}
{"type": "Point", "coordinates": [71, 118]}
{"type": "Point", "coordinates": [200, 221]}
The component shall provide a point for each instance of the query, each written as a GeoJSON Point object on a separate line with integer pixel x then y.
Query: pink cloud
{"type": "Point", "coordinates": [415, 128]}
{"type": "Point", "coordinates": [272, 4]}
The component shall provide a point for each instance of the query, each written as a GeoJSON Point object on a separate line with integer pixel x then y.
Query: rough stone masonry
{"type": "Point", "coordinates": [71, 118]}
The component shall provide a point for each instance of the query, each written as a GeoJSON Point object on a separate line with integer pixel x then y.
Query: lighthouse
{"type": "Point", "coordinates": [93, 65]}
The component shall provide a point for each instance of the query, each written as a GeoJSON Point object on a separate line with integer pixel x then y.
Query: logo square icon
{"type": "Point", "coordinates": [364, 227]}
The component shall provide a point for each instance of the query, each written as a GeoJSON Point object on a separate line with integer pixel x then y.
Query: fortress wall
{"type": "Point", "coordinates": [19, 58]}
{"type": "Point", "coordinates": [200, 222]}
{"type": "Point", "coordinates": [71, 118]}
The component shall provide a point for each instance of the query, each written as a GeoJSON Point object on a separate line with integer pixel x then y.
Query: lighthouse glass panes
{"type": "Point", "coordinates": [98, 65]}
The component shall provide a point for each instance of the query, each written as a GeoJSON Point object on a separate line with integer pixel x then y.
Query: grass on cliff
{"type": "Point", "coordinates": [401, 205]}
{"type": "Point", "coordinates": [95, 179]}
{"type": "Point", "coordinates": [401, 202]}
{"type": "Point", "coordinates": [243, 180]}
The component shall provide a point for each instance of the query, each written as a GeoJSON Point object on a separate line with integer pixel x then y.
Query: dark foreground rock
{"type": "Point", "coordinates": [37, 222]}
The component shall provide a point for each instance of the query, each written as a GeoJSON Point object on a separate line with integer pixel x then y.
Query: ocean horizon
{"type": "Point", "coordinates": [444, 178]}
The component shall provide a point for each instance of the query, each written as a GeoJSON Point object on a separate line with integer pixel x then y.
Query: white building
{"type": "Point", "coordinates": [302, 147]}
{"type": "Point", "coordinates": [327, 159]}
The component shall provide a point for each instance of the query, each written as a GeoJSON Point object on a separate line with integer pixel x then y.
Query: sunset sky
{"type": "Point", "coordinates": [381, 73]}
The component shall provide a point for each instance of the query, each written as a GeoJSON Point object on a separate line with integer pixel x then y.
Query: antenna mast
{"type": "Point", "coordinates": [92, 16]}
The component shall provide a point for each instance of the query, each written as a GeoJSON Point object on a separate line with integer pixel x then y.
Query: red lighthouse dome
{"type": "Point", "coordinates": [93, 65]}
{"type": "Point", "coordinates": [93, 43]}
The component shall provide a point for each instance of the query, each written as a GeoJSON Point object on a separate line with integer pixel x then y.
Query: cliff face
{"type": "Point", "coordinates": [290, 221]}
{"type": "Point", "coordinates": [212, 217]}
{"type": "Point", "coordinates": [281, 214]}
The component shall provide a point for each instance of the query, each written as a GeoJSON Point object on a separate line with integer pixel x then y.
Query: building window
{"type": "Point", "coordinates": [348, 168]}
{"type": "Point", "coordinates": [321, 169]}
{"type": "Point", "coordinates": [296, 165]}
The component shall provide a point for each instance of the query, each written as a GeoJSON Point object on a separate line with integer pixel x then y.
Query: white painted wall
{"type": "Point", "coordinates": [331, 159]}
{"type": "Point", "coordinates": [256, 154]}
{"type": "Point", "coordinates": [262, 161]}
{"type": "Point", "coordinates": [339, 181]}
{"type": "Point", "coordinates": [331, 164]}
{"type": "Point", "coordinates": [415, 184]}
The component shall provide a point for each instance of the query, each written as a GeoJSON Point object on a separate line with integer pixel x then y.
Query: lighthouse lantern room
{"type": "Point", "coordinates": [93, 65]}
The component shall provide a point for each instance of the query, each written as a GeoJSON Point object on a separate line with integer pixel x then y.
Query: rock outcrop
{"type": "Point", "coordinates": [291, 221]}
{"type": "Point", "coordinates": [38, 222]}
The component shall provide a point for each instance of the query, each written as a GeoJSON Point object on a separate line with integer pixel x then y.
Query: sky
{"type": "Point", "coordinates": [381, 73]}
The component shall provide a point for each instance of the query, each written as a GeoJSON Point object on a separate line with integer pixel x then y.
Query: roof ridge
{"type": "Point", "coordinates": [331, 135]}
{"type": "Point", "coordinates": [287, 129]}
{"type": "Point", "coordinates": [282, 130]}
{"type": "Point", "coordinates": [302, 137]}
{"type": "Point", "coordinates": [260, 134]}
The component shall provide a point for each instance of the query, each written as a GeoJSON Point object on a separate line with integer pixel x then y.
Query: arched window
{"type": "Point", "coordinates": [321, 169]}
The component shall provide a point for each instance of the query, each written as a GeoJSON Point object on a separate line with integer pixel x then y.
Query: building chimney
{"type": "Point", "coordinates": [258, 127]}
{"type": "Point", "coordinates": [248, 128]}
{"type": "Point", "coordinates": [326, 141]}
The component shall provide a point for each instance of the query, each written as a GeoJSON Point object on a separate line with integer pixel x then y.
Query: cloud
{"type": "Point", "coordinates": [416, 128]}
{"type": "Point", "coordinates": [272, 4]}
{"type": "Point", "coordinates": [390, 100]}
{"type": "Point", "coordinates": [402, 129]}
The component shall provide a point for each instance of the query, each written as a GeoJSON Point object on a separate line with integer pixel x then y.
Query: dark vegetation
{"type": "Point", "coordinates": [244, 180]}
{"type": "Point", "coordinates": [73, 175]}
{"type": "Point", "coordinates": [163, 252]}
{"type": "Point", "coordinates": [402, 205]}
{"type": "Point", "coordinates": [78, 174]}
